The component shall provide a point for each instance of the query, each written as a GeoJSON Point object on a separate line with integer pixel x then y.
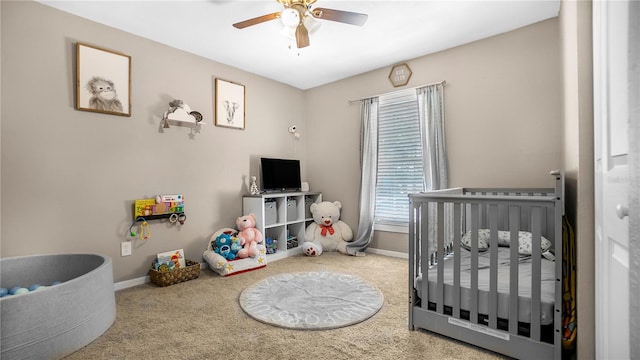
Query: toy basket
{"type": "Point", "coordinates": [189, 272]}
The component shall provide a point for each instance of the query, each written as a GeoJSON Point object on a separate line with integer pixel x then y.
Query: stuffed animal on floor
{"type": "Point", "coordinates": [224, 267]}
{"type": "Point", "coordinates": [235, 245]}
{"type": "Point", "coordinates": [223, 246]}
{"type": "Point", "coordinates": [327, 232]}
{"type": "Point", "coordinates": [249, 236]}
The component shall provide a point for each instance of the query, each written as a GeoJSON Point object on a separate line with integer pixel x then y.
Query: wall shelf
{"type": "Point", "coordinates": [185, 123]}
{"type": "Point", "coordinates": [161, 216]}
{"type": "Point", "coordinates": [161, 207]}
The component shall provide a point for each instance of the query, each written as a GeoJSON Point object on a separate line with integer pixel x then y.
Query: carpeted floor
{"type": "Point", "coordinates": [202, 319]}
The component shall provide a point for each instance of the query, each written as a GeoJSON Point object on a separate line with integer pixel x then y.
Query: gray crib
{"type": "Point", "coordinates": [481, 267]}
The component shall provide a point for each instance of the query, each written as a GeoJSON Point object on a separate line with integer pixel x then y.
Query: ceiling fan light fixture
{"type": "Point", "coordinates": [289, 32]}
{"type": "Point", "coordinates": [299, 20]}
{"type": "Point", "coordinates": [311, 24]}
{"type": "Point", "coordinates": [290, 17]}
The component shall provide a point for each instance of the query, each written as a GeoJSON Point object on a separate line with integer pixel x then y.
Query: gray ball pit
{"type": "Point", "coordinates": [53, 322]}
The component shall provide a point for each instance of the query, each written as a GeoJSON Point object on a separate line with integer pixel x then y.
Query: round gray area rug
{"type": "Point", "coordinates": [311, 300]}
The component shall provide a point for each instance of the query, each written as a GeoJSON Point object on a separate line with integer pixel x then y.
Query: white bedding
{"type": "Point", "coordinates": [524, 284]}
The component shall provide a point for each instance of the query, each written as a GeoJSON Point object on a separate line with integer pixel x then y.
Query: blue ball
{"type": "Point", "coordinates": [34, 287]}
{"type": "Point", "coordinates": [4, 292]}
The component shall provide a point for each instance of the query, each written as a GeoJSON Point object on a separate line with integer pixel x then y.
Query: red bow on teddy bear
{"type": "Point", "coordinates": [326, 228]}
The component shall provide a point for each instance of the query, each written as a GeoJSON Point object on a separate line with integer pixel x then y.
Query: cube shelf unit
{"type": "Point", "coordinates": [282, 216]}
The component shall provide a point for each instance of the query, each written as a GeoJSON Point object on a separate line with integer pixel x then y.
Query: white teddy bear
{"type": "Point", "coordinates": [328, 232]}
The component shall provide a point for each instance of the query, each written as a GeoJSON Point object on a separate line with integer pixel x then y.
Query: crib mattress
{"type": "Point", "coordinates": [524, 284]}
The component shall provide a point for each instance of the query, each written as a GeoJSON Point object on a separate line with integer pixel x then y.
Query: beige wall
{"type": "Point", "coordinates": [503, 117]}
{"type": "Point", "coordinates": [69, 177]}
{"type": "Point", "coordinates": [577, 66]}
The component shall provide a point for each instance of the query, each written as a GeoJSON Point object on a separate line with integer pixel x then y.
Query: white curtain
{"type": "Point", "coordinates": [431, 111]}
{"type": "Point", "coordinates": [369, 165]}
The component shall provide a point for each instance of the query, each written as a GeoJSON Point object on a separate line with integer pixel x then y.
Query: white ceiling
{"type": "Point", "coordinates": [396, 31]}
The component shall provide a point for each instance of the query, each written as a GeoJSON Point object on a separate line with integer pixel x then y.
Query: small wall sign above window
{"type": "Point", "coordinates": [400, 75]}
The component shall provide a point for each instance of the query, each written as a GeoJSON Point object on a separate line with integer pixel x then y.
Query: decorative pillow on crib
{"type": "Point", "coordinates": [483, 239]}
{"type": "Point", "coordinates": [524, 241]}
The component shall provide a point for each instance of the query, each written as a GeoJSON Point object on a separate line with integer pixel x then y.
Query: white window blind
{"type": "Point", "coordinates": [400, 161]}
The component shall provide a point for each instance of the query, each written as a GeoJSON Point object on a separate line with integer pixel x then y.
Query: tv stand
{"type": "Point", "coordinates": [282, 216]}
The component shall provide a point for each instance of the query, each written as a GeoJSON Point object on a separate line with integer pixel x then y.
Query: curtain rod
{"type": "Point", "coordinates": [443, 82]}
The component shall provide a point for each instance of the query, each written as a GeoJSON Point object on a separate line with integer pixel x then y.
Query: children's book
{"type": "Point", "coordinates": [177, 256]}
{"type": "Point", "coordinates": [143, 207]}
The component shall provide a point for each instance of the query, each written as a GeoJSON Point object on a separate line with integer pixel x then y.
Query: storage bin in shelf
{"type": "Point", "coordinates": [282, 216]}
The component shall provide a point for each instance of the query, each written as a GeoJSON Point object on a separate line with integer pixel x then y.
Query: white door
{"type": "Point", "coordinates": [611, 114]}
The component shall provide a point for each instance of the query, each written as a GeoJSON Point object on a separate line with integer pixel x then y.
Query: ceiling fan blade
{"type": "Point", "coordinates": [257, 20]}
{"type": "Point", "coordinates": [340, 16]}
{"type": "Point", "coordinates": [302, 36]}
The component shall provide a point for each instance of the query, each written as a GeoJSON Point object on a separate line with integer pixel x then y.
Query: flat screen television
{"type": "Point", "coordinates": [280, 174]}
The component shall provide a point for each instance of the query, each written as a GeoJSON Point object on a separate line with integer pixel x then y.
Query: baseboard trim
{"type": "Point", "coordinates": [121, 285]}
{"type": "Point", "coordinates": [390, 253]}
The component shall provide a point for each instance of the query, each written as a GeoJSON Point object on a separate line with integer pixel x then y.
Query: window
{"type": "Point", "coordinates": [400, 161]}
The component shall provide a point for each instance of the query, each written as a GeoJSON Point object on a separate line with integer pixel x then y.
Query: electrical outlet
{"type": "Point", "coordinates": [125, 248]}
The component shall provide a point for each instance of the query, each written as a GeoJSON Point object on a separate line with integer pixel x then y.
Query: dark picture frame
{"type": "Point", "coordinates": [103, 80]}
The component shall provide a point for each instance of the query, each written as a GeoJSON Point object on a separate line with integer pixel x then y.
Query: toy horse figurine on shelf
{"type": "Point", "coordinates": [253, 189]}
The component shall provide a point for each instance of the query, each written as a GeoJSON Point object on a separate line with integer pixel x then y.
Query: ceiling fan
{"type": "Point", "coordinates": [299, 19]}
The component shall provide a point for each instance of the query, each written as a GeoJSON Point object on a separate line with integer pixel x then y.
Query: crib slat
{"type": "Point", "coordinates": [424, 253]}
{"type": "Point", "coordinates": [548, 229]}
{"type": "Point", "coordinates": [440, 254]}
{"type": "Point", "coordinates": [457, 218]}
{"type": "Point", "coordinates": [475, 215]}
{"type": "Point", "coordinates": [514, 226]}
{"type": "Point", "coordinates": [493, 267]}
{"type": "Point", "coordinates": [483, 215]}
{"type": "Point", "coordinates": [535, 270]}
{"type": "Point", "coordinates": [412, 259]}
